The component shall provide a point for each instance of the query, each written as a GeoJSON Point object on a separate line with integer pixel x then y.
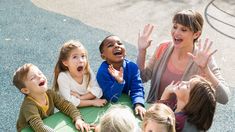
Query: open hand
{"type": "Point", "coordinates": [144, 39]}
{"type": "Point", "coordinates": [203, 55]}
{"type": "Point", "coordinates": [118, 75]}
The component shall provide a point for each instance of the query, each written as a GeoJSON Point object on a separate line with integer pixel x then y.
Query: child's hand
{"type": "Point", "coordinates": [140, 110]}
{"type": "Point", "coordinates": [74, 93]}
{"type": "Point", "coordinates": [118, 75]}
{"type": "Point", "coordinates": [169, 90]}
{"type": "Point", "coordinates": [81, 125]}
{"type": "Point", "coordinates": [99, 102]}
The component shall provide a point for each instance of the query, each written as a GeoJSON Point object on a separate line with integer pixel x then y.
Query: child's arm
{"type": "Point", "coordinates": [111, 88]}
{"type": "Point", "coordinates": [88, 95]}
{"type": "Point", "coordinates": [136, 85]}
{"type": "Point", "coordinates": [136, 90]}
{"type": "Point", "coordinates": [34, 119]}
{"type": "Point", "coordinates": [94, 102]}
{"type": "Point", "coordinates": [68, 108]}
{"type": "Point", "coordinates": [64, 89]}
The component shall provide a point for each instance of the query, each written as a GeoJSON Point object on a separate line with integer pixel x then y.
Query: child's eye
{"type": "Point", "coordinates": [83, 56]}
{"type": "Point", "coordinates": [119, 43]}
{"type": "Point", "coordinates": [74, 57]}
{"type": "Point", "coordinates": [110, 45]}
{"type": "Point", "coordinates": [184, 30]}
{"type": "Point", "coordinates": [32, 78]}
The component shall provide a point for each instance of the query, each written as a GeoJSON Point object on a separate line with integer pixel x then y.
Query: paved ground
{"type": "Point", "coordinates": [33, 31]}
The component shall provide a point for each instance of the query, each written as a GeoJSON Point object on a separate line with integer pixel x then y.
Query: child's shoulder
{"type": "Point", "coordinates": [130, 63]}
{"type": "Point", "coordinates": [28, 103]}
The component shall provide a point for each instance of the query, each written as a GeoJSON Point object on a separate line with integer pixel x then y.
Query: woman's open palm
{"type": "Point", "coordinates": [204, 53]}
{"type": "Point", "coordinates": [144, 39]}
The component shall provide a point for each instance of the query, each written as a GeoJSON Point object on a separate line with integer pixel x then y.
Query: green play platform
{"type": "Point", "coordinates": [62, 123]}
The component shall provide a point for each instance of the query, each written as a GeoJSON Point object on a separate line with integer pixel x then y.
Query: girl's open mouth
{"type": "Point", "coordinates": [80, 68]}
{"type": "Point", "coordinates": [42, 83]}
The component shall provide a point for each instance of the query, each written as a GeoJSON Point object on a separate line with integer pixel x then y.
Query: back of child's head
{"type": "Point", "coordinates": [20, 75]}
{"type": "Point", "coordinates": [160, 114]}
{"type": "Point", "coordinates": [102, 43]}
{"type": "Point", "coordinates": [189, 18]}
{"type": "Point", "coordinates": [65, 53]}
{"type": "Point", "coordinates": [201, 105]}
{"type": "Point", "coordinates": [118, 118]}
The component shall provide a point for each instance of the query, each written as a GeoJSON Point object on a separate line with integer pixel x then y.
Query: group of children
{"type": "Point", "coordinates": [75, 85]}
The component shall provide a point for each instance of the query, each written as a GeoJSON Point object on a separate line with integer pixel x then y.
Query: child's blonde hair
{"type": "Point", "coordinates": [20, 75]}
{"type": "Point", "coordinates": [118, 118]}
{"type": "Point", "coordinates": [161, 114]}
{"type": "Point", "coordinates": [65, 52]}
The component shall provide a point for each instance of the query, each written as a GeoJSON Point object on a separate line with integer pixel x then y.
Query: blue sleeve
{"type": "Point", "coordinates": [112, 90]}
{"type": "Point", "coordinates": [137, 89]}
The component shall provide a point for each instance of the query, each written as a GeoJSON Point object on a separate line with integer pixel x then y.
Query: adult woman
{"type": "Point", "coordinates": [180, 58]}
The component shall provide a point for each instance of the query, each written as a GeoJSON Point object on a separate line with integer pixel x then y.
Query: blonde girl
{"type": "Point", "coordinates": [118, 118]}
{"type": "Point", "coordinates": [73, 78]}
{"type": "Point", "coordinates": [159, 117]}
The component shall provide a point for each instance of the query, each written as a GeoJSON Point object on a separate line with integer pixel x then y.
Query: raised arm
{"type": "Point", "coordinates": [203, 58]}
{"type": "Point", "coordinates": [144, 41]}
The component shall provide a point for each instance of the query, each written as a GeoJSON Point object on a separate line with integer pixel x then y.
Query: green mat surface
{"type": "Point", "coordinates": [62, 123]}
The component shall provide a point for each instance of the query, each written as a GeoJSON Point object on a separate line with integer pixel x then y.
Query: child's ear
{"type": "Point", "coordinates": [25, 91]}
{"type": "Point", "coordinates": [65, 63]}
{"type": "Point", "coordinates": [102, 56]}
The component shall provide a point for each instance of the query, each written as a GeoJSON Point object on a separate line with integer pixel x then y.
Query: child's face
{"type": "Point", "coordinates": [113, 50]}
{"type": "Point", "coordinates": [35, 82]}
{"type": "Point", "coordinates": [76, 62]}
{"type": "Point", "coordinates": [183, 89]}
{"type": "Point", "coordinates": [153, 126]}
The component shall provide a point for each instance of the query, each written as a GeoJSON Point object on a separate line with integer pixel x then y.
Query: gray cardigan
{"type": "Point", "coordinates": [156, 67]}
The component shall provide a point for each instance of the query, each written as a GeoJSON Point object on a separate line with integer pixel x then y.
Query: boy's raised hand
{"type": "Point", "coordinates": [118, 75]}
{"type": "Point", "coordinates": [82, 126]}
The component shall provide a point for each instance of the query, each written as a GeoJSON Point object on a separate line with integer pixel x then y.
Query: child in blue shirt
{"type": "Point", "coordinates": [117, 75]}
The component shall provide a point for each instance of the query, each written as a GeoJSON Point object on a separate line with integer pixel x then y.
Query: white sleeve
{"type": "Point", "coordinates": [94, 87]}
{"type": "Point", "coordinates": [64, 88]}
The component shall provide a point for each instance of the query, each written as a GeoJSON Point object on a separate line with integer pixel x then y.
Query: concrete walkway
{"type": "Point", "coordinates": [32, 34]}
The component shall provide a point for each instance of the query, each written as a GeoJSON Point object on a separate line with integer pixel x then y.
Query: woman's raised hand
{"type": "Point", "coordinates": [144, 39]}
{"type": "Point", "coordinates": [204, 53]}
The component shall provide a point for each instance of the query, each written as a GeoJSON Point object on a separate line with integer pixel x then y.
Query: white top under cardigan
{"type": "Point", "coordinates": [66, 83]}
